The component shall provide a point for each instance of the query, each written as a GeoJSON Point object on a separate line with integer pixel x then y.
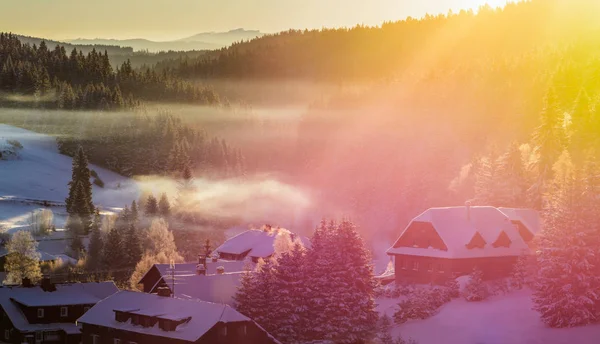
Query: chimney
{"type": "Point", "coordinates": [163, 291]}
{"type": "Point", "coordinates": [220, 270]}
{"type": "Point", "coordinates": [267, 228]}
{"type": "Point", "coordinates": [47, 285]}
{"type": "Point", "coordinates": [26, 283]}
{"type": "Point", "coordinates": [468, 207]}
{"type": "Point", "coordinates": [200, 269]}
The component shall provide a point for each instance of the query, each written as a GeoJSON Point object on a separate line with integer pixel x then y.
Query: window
{"type": "Point", "coordinates": [415, 266]}
{"type": "Point", "coordinates": [40, 312]}
{"type": "Point", "coordinates": [39, 336]}
{"type": "Point", "coordinates": [116, 341]}
{"type": "Point", "coordinates": [440, 268]}
{"type": "Point", "coordinates": [85, 309]}
{"type": "Point", "coordinates": [224, 331]}
{"type": "Point", "coordinates": [243, 330]}
{"type": "Point", "coordinates": [132, 343]}
{"type": "Point", "coordinates": [429, 267]}
{"type": "Point", "coordinates": [64, 311]}
{"type": "Point", "coordinates": [95, 339]}
{"type": "Point", "coordinates": [403, 264]}
{"type": "Point", "coordinates": [7, 334]}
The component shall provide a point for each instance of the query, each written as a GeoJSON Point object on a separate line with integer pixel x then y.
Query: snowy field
{"type": "Point", "coordinates": [507, 319]}
{"type": "Point", "coordinates": [42, 173]}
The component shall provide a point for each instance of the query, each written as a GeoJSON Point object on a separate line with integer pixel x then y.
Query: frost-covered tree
{"type": "Point", "coordinates": [134, 214]}
{"type": "Point", "coordinates": [145, 263]}
{"type": "Point", "coordinates": [74, 229]}
{"type": "Point", "coordinates": [22, 260]}
{"type": "Point", "coordinates": [159, 239]}
{"type": "Point", "coordinates": [384, 335]}
{"type": "Point", "coordinates": [476, 290]}
{"type": "Point", "coordinates": [290, 293]}
{"type": "Point", "coordinates": [340, 273]}
{"type": "Point", "coordinates": [567, 281]}
{"type": "Point", "coordinates": [520, 272]}
{"type": "Point", "coordinates": [512, 179]}
{"type": "Point", "coordinates": [487, 181]}
{"type": "Point", "coordinates": [255, 295]}
{"type": "Point", "coordinates": [41, 221]}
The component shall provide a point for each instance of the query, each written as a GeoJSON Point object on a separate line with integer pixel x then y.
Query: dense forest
{"type": "Point", "coordinates": [78, 81]}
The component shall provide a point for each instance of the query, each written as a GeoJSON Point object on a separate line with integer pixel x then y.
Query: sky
{"type": "Point", "coordinates": [173, 19]}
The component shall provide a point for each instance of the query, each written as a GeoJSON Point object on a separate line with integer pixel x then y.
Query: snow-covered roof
{"type": "Point", "coordinates": [456, 226]}
{"type": "Point", "coordinates": [528, 217]}
{"type": "Point", "coordinates": [65, 294]}
{"type": "Point", "coordinates": [211, 267]}
{"type": "Point", "coordinates": [204, 315]}
{"type": "Point", "coordinates": [259, 243]}
{"type": "Point", "coordinates": [211, 288]}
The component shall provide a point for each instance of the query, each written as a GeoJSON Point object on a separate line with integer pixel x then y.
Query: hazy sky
{"type": "Point", "coordinates": [171, 19]}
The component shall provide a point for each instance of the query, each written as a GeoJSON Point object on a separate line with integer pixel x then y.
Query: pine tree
{"type": "Point", "coordinates": [164, 207]}
{"type": "Point", "coordinates": [133, 246]}
{"type": "Point", "coordinates": [151, 206]}
{"type": "Point", "coordinates": [549, 137]}
{"type": "Point", "coordinates": [94, 259]}
{"type": "Point", "coordinates": [23, 259]}
{"type": "Point", "coordinates": [475, 290]}
{"type": "Point", "coordinates": [134, 213]}
{"type": "Point", "coordinates": [512, 178]}
{"type": "Point", "coordinates": [114, 253]}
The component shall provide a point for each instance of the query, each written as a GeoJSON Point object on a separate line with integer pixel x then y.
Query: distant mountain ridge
{"type": "Point", "coordinates": [85, 48]}
{"type": "Point", "coordinates": [201, 41]}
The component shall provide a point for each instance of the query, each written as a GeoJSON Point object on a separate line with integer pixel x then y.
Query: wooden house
{"type": "Point", "coordinates": [140, 318]}
{"type": "Point", "coordinates": [444, 243]}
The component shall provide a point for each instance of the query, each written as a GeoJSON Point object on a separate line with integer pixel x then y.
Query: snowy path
{"type": "Point", "coordinates": [500, 320]}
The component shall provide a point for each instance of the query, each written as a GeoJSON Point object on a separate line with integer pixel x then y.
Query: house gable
{"type": "Point", "coordinates": [422, 235]}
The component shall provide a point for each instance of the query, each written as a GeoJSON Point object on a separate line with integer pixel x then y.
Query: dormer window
{"type": "Point", "coordinates": [476, 242]}
{"type": "Point", "coordinates": [40, 313]}
{"type": "Point", "coordinates": [64, 311]}
{"type": "Point", "coordinates": [502, 241]}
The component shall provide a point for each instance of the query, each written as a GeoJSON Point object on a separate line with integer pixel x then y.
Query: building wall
{"type": "Point", "coordinates": [52, 314]}
{"type": "Point", "coordinates": [234, 335]}
{"type": "Point", "coordinates": [17, 337]}
{"type": "Point", "coordinates": [416, 269]}
{"type": "Point", "coordinates": [150, 279]}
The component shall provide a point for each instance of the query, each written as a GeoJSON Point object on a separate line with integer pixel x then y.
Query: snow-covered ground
{"type": "Point", "coordinates": [42, 173]}
{"type": "Point", "coordinates": [507, 319]}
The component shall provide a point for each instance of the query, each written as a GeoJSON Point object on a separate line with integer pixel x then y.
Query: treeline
{"type": "Point", "coordinates": [87, 81]}
{"type": "Point", "coordinates": [151, 145]}
{"type": "Point", "coordinates": [397, 49]}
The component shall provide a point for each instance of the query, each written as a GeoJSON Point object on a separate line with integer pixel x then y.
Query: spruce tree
{"type": "Point", "coordinates": [132, 244]}
{"type": "Point", "coordinates": [79, 201]}
{"type": "Point", "coordinates": [134, 213]}
{"type": "Point", "coordinates": [151, 206]}
{"type": "Point", "coordinates": [164, 207]}
{"type": "Point", "coordinates": [520, 272]}
{"type": "Point", "coordinates": [384, 335]}
{"type": "Point", "coordinates": [254, 298]}
{"type": "Point", "coordinates": [114, 253]}
{"type": "Point", "coordinates": [549, 137]}
{"type": "Point", "coordinates": [290, 294]}
{"type": "Point", "coordinates": [565, 289]}
{"type": "Point", "coordinates": [96, 243]}
{"type": "Point", "coordinates": [512, 179]}
{"type": "Point", "coordinates": [475, 290]}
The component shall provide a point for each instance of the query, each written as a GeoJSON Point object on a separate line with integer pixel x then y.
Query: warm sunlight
{"type": "Point", "coordinates": [299, 172]}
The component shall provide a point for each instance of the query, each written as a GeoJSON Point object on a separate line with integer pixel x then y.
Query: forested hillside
{"type": "Point", "coordinates": [78, 81]}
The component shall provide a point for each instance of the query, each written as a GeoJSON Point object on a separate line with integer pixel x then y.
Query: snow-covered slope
{"type": "Point", "coordinates": [507, 319]}
{"type": "Point", "coordinates": [42, 173]}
